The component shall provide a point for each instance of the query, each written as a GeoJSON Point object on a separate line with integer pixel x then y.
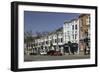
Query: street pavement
{"type": "Point", "coordinates": [47, 58]}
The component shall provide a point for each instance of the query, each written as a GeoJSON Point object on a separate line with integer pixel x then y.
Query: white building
{"type": "Point", "coordinates": [49, 41]}
{"type": "Point", "coordinates": [71, 31]}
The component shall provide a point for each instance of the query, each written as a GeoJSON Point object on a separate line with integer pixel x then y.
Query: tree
{"type": "Point", "coordinates": [28, 39]}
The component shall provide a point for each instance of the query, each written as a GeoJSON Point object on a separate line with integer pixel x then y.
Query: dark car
{"type": "Point", "coordinates": [57, 53]}
{"type": "Point", "coordinates": [33, 53]}
{"type": "Point", "coordinates": [51, 52]}
{"type": "Point", "coordinates": [54, 53]}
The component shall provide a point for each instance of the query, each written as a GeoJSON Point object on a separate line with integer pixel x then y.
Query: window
{"type": "Point", "coordinates": [76, 32]}
{"type": "Point", "coordinates": [61, 39]}
{"type": "Point", "coordinates": [46, 42]}
{"type": "Point", "coordinates": [75, 36]}
{"type": "Point", "coordinates": [73, 27]}
{"type": "Point", "coordinates": [76, 27]}
{"type": "Point", "coordinates": [55, 40]}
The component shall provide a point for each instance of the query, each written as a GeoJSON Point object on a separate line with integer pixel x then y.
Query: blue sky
{"type": "Point", "coordinates": [45, 21]}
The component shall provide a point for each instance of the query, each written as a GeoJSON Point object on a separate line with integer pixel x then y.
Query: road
{"type": "Point", "coordinates": [45, 58]}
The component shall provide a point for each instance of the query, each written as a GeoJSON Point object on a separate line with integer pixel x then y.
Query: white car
{"type": "Point", "coordinates": [43, 53]}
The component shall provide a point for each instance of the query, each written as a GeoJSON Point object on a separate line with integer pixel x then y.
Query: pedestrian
{"type": "Point", "coordinates": [88, 50]}
{"type": "Point", "coordinates": [85, 50]}
{"type": "Point", "coordinates": [69, 51]}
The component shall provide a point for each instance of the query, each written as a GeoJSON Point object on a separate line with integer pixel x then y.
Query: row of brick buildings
{"type": "Point", "coordinates": [76, 31]}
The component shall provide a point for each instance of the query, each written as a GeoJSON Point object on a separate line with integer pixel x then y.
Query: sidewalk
{"type": "Point", "coordinates": [81, 53]}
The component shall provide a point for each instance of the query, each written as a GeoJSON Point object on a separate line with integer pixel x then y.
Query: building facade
{"type": "Point", "coordinates": [84, 32]}
{"type": "Point", "coordinates": [50, 41]}
{"type": "Point", "coordinates": [71, 31]}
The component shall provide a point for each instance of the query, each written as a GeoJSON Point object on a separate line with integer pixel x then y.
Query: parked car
{"type": "Point", "coordinates": [57, 53]}
{"type": "Point", "coordinates": [43, 53]}
{"type": "Point", "coordinates": [51, 52]}
{"type": "Point", "coordinates": [54, 53]}
{"type": "Point", "coordinates": [33, 53]}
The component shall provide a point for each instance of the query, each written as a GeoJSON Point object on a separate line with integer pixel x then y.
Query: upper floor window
{"type": "Point", "coordinates": [76, 27]}
{"type": "Point", "coordinates": [46, 42]}
{"type": "Point", "coordinates": [61, 40]}
{"type": "Point", "coordinates": [75, 36]}
{"type": "Point", "coordinates": [55, 40]}
{"type": "Point", "coordinates": [73, 27]}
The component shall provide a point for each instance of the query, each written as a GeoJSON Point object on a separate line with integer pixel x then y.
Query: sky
{"type": "Point", "coordinates": [45, 21]}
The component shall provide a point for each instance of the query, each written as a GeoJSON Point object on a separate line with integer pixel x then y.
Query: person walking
{"type": "Point", "coordinates": [85, 49]}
